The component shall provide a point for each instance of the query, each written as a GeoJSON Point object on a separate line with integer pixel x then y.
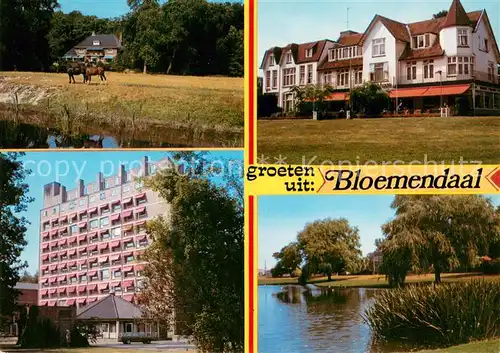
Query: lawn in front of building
{"type": "Point", "coordinates": [492, 346]}
{"type": "Point", "coordinates": [380, 140]}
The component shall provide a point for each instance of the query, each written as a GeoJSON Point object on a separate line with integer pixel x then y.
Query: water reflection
{"type": "Point", "coordinates": [45, 135]}
{"type": "Point", "coordinates": [299, 319]}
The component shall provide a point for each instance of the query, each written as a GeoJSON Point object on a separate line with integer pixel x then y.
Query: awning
{"type": "Point", "coordinates": [127, 268]}
{"type": "Point", "coordinates": [92, 287]}
{"type": "Point", "coordinates": [125, 254]}
{"type": "Point", "coordinates": [44, 280]}
{"type": "Point", "coordinates": [127, 284]}
{"type": "Point", "coordinates": [94, 259]}
{"type": "Point", "coordinates": [127, 200]}
{"type": "Point", "coordinates": [81, 274]}
{"type": "Point", "coordinates": [70, 302]}
{"type": "Point", "coordinates": [73, 215]}
{"type": "Point", "coordinates": [138, 253]}
{"type": "Point", "coordinates": [72, 240]}
{"type": "Point", "coordinates": [45, 246]}
{"type": "Point", "coordinates": [81, 289]}
{"type": "Point", "coordinates": [71, 263]}
{"type": "Point", "coordinates": [140, 209]}
{"type": "Point", "coordinates": [114, 244]}
{"type": "Point", "coordinates": [116, 202]}
{"type": "Point", "coordinates": [43, 292]}
{"type": "Point", "coordinates": [103, 286]}
{"type": "Point", "coordinates": [52, 303]}
{"type": "Point", "coordinates": [128, 297]}
{"type": "Point", "coordinates": [81, 262]}
{"type": "Point", "coordinates": [338, 96]}
{"type": "Point", "coordinates": [92, 247]}
{"type": "Point", "coordinates": [104, 205]}
{"type": "Point", "coordinates": [71, 289]}
{"type": "Point", "coordinates": [43, 303]}
{"type": "Point", "coordinates": [127, 214]}
{"type": "Point", "coordinates": [45, 257]}
{"type": "Point", "coordinates": [92, 234]}
{"type": "Point", "coordinates": [53, 232]}
{"type": "Point", "coordinates": [82, 224]}
{"type": "Point", "coordinates": [429, 91]}
{"type": "Point", "coordinates": [116, 284]}
{"type": "Point", "coordinates": [43, 268]}
{"type": "Point", "coordinates": [103, 246]}
{"type": "Point", "coordinates": [62, 290]}
{"type": "Point", "coordinates": [115, 217]}
{"type": "Point", "coordinates": [63, 218]}
{"type": "Point", "coordinates": [52, 291]}
{"type": "Point", "coordinates": [53, 220]}
{"type": "Point", "coordinates": [44, 234]}
{"type": "Point", "coordinates": [61, 278]}
{"type": "Point", "coordinates": [61, 242]}
{"type": "Point", "coordinates": [139, 267]}
{"type": "Point", "coordinates": [61, 266]}
{"type": "Point", "coordinates": [140, 196]}
{"type": "Point", "coordinates": [93, 209]}
{"type": "Point", "coordinates": [141, 223]}
{"type": "Point", "coordinates": [82, 212]}
{"type": "Point", "coordinates": [103, 259]}
{"type": "Point", "coordinates": [127, 228]}
{"type": "Point", "coordinates": [63, 230]}
{"type": "Point", "coordinates": [71, 252]}
{"type": "Point", "coordinates": [114, 257]}
{"type": "Point", "coordinates": [53, 280]}
{"type": "Point", "coordinates": [53, 256]}
{"type": "Point", "coordinates": [82, 250]}
{"type": "Point", "coordinates": [82, 237]}
{"type": "Point", "coordinates": [81, 300]}
{"type": "Point", "coordinates": [140, 237]}
{"type": "Point", "coordinates": [52, 267]}
{"type": "Point", "coordinates": [62, 253]}
{"type": "Point", "coordinates": [91, 300]}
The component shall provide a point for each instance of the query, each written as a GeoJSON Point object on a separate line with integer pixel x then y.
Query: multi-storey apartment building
{"type": "Point", "coordinates": [92, 237]}
{"type": "Point", "coordinates": [423, 64]}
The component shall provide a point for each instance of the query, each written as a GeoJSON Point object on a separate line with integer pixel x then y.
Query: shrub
{"type": "Point", "coordinates": [491, 267]}
{"type": "Point", "coordinates": [369, 99]}
{"type": "Point", "coordinates": [446, 314]}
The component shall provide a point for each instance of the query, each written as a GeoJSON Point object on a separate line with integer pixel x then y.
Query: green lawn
{"type": "Point", "coordinates": [374, 281]}
{"type": "Point", "coordinates": [476, 347]}
{"type": "Point", "coordinates": [380, 140]}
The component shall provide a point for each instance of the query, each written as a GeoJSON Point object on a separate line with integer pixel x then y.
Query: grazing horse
{"type": "Point", "coordinates": [76, 69]}
{"type": "Point", "coordinates": [95, 71]}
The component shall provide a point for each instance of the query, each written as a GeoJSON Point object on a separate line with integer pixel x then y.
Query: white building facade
{"type": "Point", "coordinates": [457, 53]}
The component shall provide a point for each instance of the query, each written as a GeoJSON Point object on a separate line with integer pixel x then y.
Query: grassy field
{"type": "Point", "coordinates": [206, 102]}
{"type": "Point", "coordinates": [475, 347]}
{"type": "Point", "coordinates": [381, 140]}
{"type": "Point", "coordinates": [374, 281]}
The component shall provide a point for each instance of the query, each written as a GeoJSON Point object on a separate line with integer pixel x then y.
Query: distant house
{"type": "Point", "coordinates": [97, 47]}
{"type": "Point", "coordinates": [28, 296]}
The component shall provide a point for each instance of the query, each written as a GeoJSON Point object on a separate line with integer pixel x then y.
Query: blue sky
{"type": "Point", "coordinates": [281, 22]}
{"type": "Point", "coordinates": [280, 218]}
{"type": "Point", "coordinates": [101, 8]}
{"type": "Point", "coordinates": [67, 167]}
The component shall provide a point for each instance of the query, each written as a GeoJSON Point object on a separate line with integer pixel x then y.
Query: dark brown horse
{"type": "Point", "coordinates": [75, 68]}
{"type": "Point", "coordinates": [94, 71]}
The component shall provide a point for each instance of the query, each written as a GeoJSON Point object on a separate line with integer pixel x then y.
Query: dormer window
{"type": "Point", "coordinates": [309, 53]}
{"type": "Point", "coordinates": [271, 60]}
{"type": "Point", "coordinates": [421, 41]}
{"type": "Point", "coordinates": [96, 42]}
{"type": "Point", "coordinates": [463, 40]}
{"type": "Point", "coordinates": [289, 58]}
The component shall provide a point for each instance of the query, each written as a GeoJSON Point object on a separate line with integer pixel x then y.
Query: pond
{"type": "Point", "coordinates": [46, 135]}
{"type": "Point", "coordinates": [303, 320]}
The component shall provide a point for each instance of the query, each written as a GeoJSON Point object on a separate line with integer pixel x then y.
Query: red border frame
{"type": "Point", "coordinates": [250, 71]}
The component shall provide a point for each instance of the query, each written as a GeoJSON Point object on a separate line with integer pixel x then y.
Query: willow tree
{"type": "Point", "coordinates": [438, 233]}
{"type": "Point", "coordinates": [329, 246]}
{"type": "Point", "coordinates": [196, 264]}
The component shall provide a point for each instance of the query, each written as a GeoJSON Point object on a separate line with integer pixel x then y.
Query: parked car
{"type": "Point", "coordinates": [130, 337]}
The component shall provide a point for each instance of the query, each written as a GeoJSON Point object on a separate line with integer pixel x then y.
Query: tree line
{"type": "Point", "coordinates": [427, 234]}
{"type": "Point", "coordinates": [193, 37]}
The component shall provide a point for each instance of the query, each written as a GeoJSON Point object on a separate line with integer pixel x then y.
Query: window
{"type": "Point", "coordinates": [288, 77]}
{"type": "Point", "coordinates": [117, 207]}
{"type": "Point", "coordinates": [139, 184]}
{"type": "Point", "coordinates": [379, 72]}
{"type": "Point", "coordinates": [117, 274]}
{"type": "Point", "coordinates": [428, 68]}
{"type": "Point", "coordinates": [102, 196]}
{"type": "Point", "coordinates": [73, 229]}
{"type": "Point", "coordinates": [343, 77]}
{"type": "Point", "coordinates": [452, 66]}
{"type": "Point", "coordinates": [491, 70]}
{"type": "Point", "coordinates": [45, 213]}
{"type": "Point", "coordinates": [378, 47]}
{"type": "Point", "coordinates": [117, 179]}
{"type": "Point", "coordinates": [72, 205]}
{"type": "Point", "coordinates": [104, 222]}
{"type": "Point", "coordinates": [62, 208]}
{"type": "Point", "coordinates": [485, 45]}
{"type": "Point", "coordinates": [275, 79]}
{"type": "Point", "coordinates": [130, 258]}
{"type": "Point", "coordinates": [126, 189]}
{"type": "Point", "coordinates": [328, 78]}
{"type": "Point", "coordinates": [463, 40]}
{"type": "Point", "coordinates": [358, 77]}
{"type": "Point", "coordinates": [411, 70]}
{"type": "Point", "coordinates": [309, 53]}
{"type": "Point", "coordinates": [94, 224]}
{"type": "Point", "coordinates": [302, 74]}
{"type": "Point", "coordinates": [309, 74]}
{"type": "Point", "coordinates": [105, 274]}
{"type": "Point", "coordinates": [92, 199]}
{"type": "Point", "coordinates": [115, 232]}
{"type": "Point", "coordinates": [331, 54]}
{"type": "Point", "coordinates": [466, 65]}
{"type": "Point", "coordinates": [54, 210]}
{"type": "Point", "coordinates": [82, 202]}
{"type": "Point", "coordinates": [268, 79]}
{"type": "Point", "coordinates": [289, 58]}
{"type": "Point", "coordinates": [271, 60]}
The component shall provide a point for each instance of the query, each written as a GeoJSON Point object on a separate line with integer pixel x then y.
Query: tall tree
{"type": "Point", "coordinates": [13, 199]}
{"type": "Point", "coordinates": [438, 232]}
{"type": "Point", "coordinates": [329, 246]}
{"type": "Point", "coordinates": [197, 258]}
{"type": "Point", "coordinates": [27, 278]}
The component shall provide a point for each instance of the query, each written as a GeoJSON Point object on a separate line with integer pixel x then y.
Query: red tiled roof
{"type": "Point", "coordinates": [433, 51]}
{"type": "Point", "coordinates": [317, 47]}
{"type": "Point", "coordinates": [427, 26]}
{"type": "Point", "coordinates": [456, 16]}
{"type": "Point", "coordinates": [338, 64]}
{"type": "Point", "coordinates": [350, 39]}
{"type": "Point", "coordinates": [398, 29]}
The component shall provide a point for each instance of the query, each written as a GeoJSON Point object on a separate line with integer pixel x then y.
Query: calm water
{"type": "Point", "coordinates": [295, 320]}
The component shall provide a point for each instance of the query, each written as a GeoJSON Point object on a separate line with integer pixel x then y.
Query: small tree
{"type": "Point", "coordinates": [289, 260]}
{"type": "Point", "coordinates": [369, 99]}
{"type": "Point", "coordinates": [440, 14]}
{"type": "Point", "coordinates": [310, 98]}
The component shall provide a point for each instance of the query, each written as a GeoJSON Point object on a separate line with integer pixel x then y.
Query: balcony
{"type": "Point", "coordinates": [334, 85]}
{"type": "Point", "coordinates": [477, 76]}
